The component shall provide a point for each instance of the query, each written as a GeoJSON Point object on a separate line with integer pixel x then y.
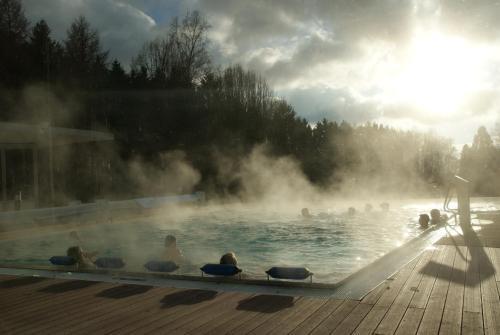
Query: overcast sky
{"type": "Point", "coordinates": [424, 64]}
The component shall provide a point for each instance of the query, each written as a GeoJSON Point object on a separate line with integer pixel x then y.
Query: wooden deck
{"type": "Point", "coordinates": [452, 288]}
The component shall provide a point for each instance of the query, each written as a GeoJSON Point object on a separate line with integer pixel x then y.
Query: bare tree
{"type": "Point", "coordinates": [180, 58]}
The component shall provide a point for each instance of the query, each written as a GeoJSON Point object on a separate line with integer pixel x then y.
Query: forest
{"type": "Point", "coordinates": [173, 103]}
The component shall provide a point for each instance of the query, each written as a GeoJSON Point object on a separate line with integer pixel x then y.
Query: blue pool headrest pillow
{"type": "Point", "coordinates": [62, 260]}
{"type": "Point", "coordinates": [281, 272]}
{"type": "Point", "coordinates": [109, 262]}
{"type": "Point", "coordinates": [161, 266]}
{"type": "Point", "coordinates": [220, 269]}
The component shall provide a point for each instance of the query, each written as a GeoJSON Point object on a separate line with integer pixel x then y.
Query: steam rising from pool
{"type": "Point", "coordinates": [332, 244]}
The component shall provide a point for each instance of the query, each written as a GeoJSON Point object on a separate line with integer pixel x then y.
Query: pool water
{"type": "Point", "coordinates": [332, 244]}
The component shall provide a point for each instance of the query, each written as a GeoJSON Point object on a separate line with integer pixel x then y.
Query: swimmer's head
{"type": "Point", "coordinates": [368, 208]}
{"type": "Point", "coordinates": [423, 220]}
{"type": "Point", "coordinates": [305, 212]}
{"type": "Point", "coordinates": [170, 241]}
{"type": "Point", "coordinates": [229, 258]}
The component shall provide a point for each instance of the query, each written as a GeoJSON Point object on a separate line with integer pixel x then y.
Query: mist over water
{"type": "Point", "coordinates": [332, 244]}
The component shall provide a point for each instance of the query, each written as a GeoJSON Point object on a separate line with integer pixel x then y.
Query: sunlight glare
{"type": "Point", "coordinates": [439, 73]}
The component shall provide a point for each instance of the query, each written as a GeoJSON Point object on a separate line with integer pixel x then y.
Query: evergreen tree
{"type": "Point", "coordinates": [13, 34]}
{"type": "Point", "coordinates": [118, 78]}
{"type": "Point", "coordinates": [46, 54]}
{"type": "Point", "coordinates": [85, 62]}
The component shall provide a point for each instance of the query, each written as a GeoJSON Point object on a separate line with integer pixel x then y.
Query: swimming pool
{"type": "Point", "coordinates": [332, 244]}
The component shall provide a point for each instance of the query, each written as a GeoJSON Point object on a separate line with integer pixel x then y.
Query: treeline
{"type": "Point", "coordinates": [480, 163]}
{"type": "Point", "coordinates": [173, 98]}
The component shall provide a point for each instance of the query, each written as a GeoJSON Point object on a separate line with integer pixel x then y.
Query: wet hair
{"type": "Point", "coordinates": [170, 240]}
{"type": "Point", "coordinates": [229, 258]}
{"type": "Point", "coordinates": [75, 252]}
{"type": "Point", "coordinates": [305, 212]}
{"type": "Point", "coordinates": [423, 220]}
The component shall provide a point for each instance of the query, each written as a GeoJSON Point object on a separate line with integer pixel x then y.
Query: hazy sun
{"type": "Point", "coordinates": [438, 73]}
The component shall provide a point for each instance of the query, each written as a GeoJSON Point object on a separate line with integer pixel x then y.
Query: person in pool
{"type": "Point", "coordinates": [229, 258]}
{"type": "Point", "coordinates": [423, 221]}
{"type": "Point", "coordinates": [368, 208]}
{"type": "Point", "coordinates": [83, 259]}
{"type": "Point", "coordinates": [305, 213]}
{"type": "Point", "coordinates": [172, 253]}
{"type": "Point", "coordinates": [437, 218]}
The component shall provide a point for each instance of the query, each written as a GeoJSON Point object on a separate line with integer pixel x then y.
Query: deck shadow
{"type": "Point", "coordinates": [478, 257]}
{"type": "Point", "coordinates": [123, 291]}
{"type": "Point", "coordinates": [266, 303]}
{"type": "Point", "coordinates": [23, 281]}
{"type": "Point", "coordinates": [68, 286]}
{"type": "Point", "coordinates": [187, 297]}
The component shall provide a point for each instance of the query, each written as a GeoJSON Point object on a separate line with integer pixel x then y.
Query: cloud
{"type": "Point", "coordinates": [310, 54]}
{"type": "Point", "coordinates": [478, 19]}
{"type": "Point", "coordinates": [332, 104]}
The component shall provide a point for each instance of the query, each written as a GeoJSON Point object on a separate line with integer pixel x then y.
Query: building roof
{"type": "Point", "coordinates": [20, 134]}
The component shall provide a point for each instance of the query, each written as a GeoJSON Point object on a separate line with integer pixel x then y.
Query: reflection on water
{"type": "Point", "coordinates": [331, 245]}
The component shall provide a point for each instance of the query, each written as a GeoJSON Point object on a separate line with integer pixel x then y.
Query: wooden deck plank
{"type": "Point", "coordinates": [391, 320]}
{"type": "Point", "coordinates": [376, 314]}
{"type": "Point", "coordinates": [27, 289]}
{"type": "Point", "coordinates": [39, 309]}
{"type": "Point", "coordinates": [149, 309]}
{"type": "Point", "coordinates": [177, 309]}
{"type": "Point", "coordinates": [101, 321]}
{"type": "Point", "coordinates": [281, 317]}
{"type": "Point", "coordinates": [433, 313]}
{"type": "Point", "coordinates": [495, 261]}
{"type": "Point", "coordinates": [80, 303]}
{"type": "Point", "coordinates": [261, 318]}
{"type": "Point", "coordinates": [40, 299]}
{"type": "Point", "coordinates": [495, 252]}
{"type": "Point", "coordinates": [291, 323]}
{"type": "Point", "coordinates": [472, 323]}
{"type": "Point", "coordinates": [421, 296]}
{"type": "Point", "coordinates": [489, 293]}
{"type": "Point", "coordinates": [392, 291]}
{"type": "Point", "coordinates": [194, 320]}
{"type": "Point", "coordinates": [472, 294]}
{"type": "Point", "coordinates": [451, 322]}
{"type": "Point", "coordinates": [352, 321]}
{"type": "Point", "coordinates": [315, 319]}
{"type": "Point", "coordinates": [371, 320]}
{"type": "Point", "coordinates": [333, 320]}
{"type": "Point", "coordinates": [91, 308]}
{"type": "Point", "coordinates": [372, 297]}
{"type": "Point", "coordinates": [249, 309]}
{"type": "Point", "coordinates": [410, 321]}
